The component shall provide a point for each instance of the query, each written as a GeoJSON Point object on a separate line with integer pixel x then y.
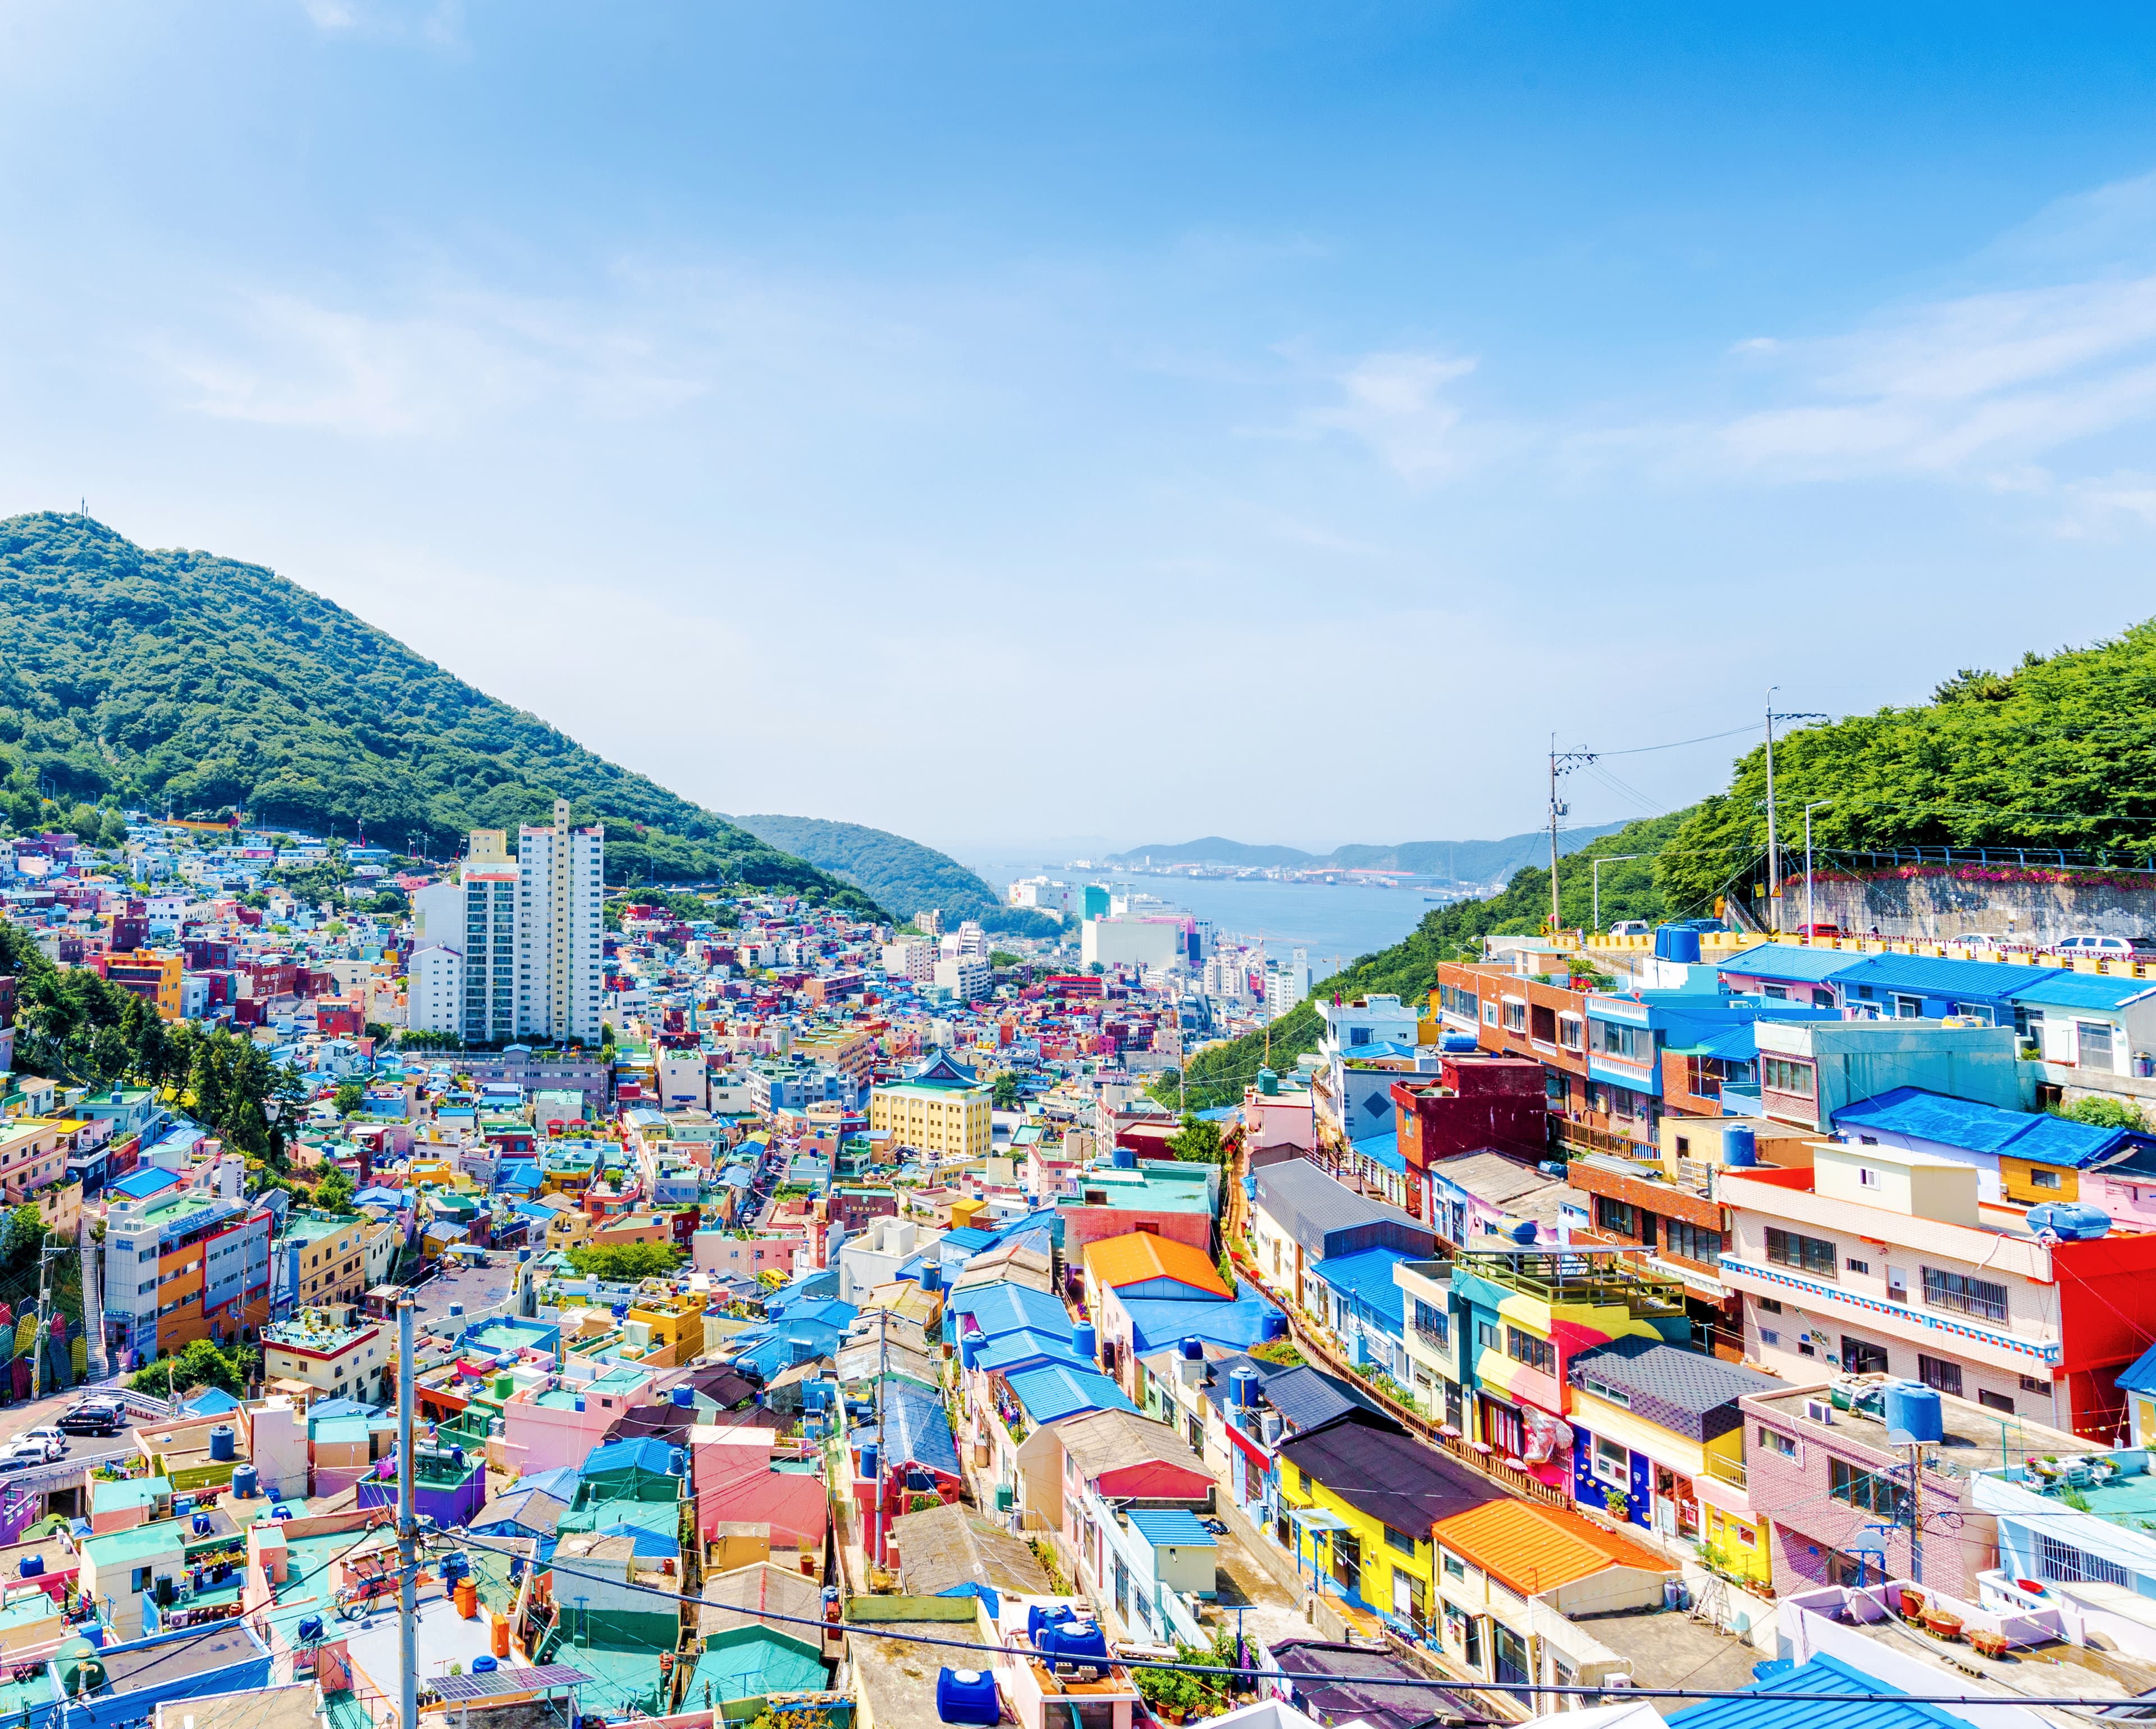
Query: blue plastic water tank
{"type": "Point", "coordinates": [1125, 1158]}
{"type": "Point", "coordinates": [310, 1630]}
{"type": "Point", "coordinates": [868, 1458]}
{"type": "Point", "coordinates": [1740, 1146]}
{"type": "Point", "coordinates": [1457, 1044]}
{"type": "Point", "coordinates": [677, 1462]}
{"type": "Point", "coordinates": [580, 1401]}
{"type": "Point", "coordinates": [522, 1256]}
{"type": "Point", "coordinates": [620, 1311]}
{"type": "Point", "coordinates": [684, 1398]}
{"type": "Point", "coordinates": [485, 1666]}
{"type": "Point", "coordinates": [1037, 1617]}
{"type": "Point", "coordinates": [221, 1446]}
{"type": "Point", "coordinates": [30, 1567]}
{"type": "Point", "coordinates": [1074, 1642]}
{"type": "Point", "coordinates": [967, 1695]}
{"type": "Point", "coordinates": [1243, 1388]}
{"type": "Point", "coordinates": [1676, 942]}
{"type": "Point", "coordinates": [2069, 1220]}
{"type": "Point", "coordinates": [200, 1523]}
{"type": "Point", "coordinates": [1523, 1231]}
{"type": "Point", "coordinates": [1913, 1412]}
{"type": "Point", "coordinates": [245, 1478]}
{"type": "Point", "coordinates": [969, 1350]}
{"type": "Point", "coordinates": [1084, 1341]}
{"type": "Point", "coordinates": [1271, 1325]}
{"type": "Point", "coordinates": [1193, 1348]}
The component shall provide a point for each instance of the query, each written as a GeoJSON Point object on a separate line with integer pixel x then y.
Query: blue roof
{"type": "Point", "coordinates": [1158, 1322]}
{"type": "Point", "coordinates": [1937, 975]}
{"type": "Point", "coordinates": [210, 1402]}
{"type": "Point", "coordinates": [1170, 1528]}
{"type": "Point", "coordinates": [2142, 1376]}
{"type": "Point", "coordinates": [2085, 991]}
{"type": "Point", "coordinates": [560, 1482]}
{"type": "Point", "coordinates": [1027, 1349]}
{"type": "Point", "coordinates": [646, 1454]}
{"type": "Point", "coordinates": [916, 1431]}
{"type": "Point", "coordinates": [1732, 1044]}
{"type": "Point", "coordinates": [970, 1238]}
{"type": "Point", "coordinates": [1366, 1275]}
{"type": "Point", "coordinates": [1007, 1307]}
{"type": "Point", "coordinates": [1052, 1393]}
{"type": "Point", "coordinates": [1760, 1710]}
{"type": "Point", "coordinates": [141, 1185]}
{"type": "Point", "coordinates": [1385, 1149]}
{"type": "Point", "coordinates": [1981, 1127]}
{"type": "Point", "coordinates": [1784, 960]}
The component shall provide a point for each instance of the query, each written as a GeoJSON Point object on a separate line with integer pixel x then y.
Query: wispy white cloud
{"type": "Point", "coordinates": [1395, 402]}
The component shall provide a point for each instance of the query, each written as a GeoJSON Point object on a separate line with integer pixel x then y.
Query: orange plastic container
{"type": "Point", "coordinates": [467, 1598]}
{"type": "Point", "coordinates": [501, 1635]}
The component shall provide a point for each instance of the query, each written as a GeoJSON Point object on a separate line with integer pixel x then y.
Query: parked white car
{"type": "Point", "coordinates": [1631, 928]}
{"type": "Point", "coordinates": [2098, 945]}
{"type": "Point", "coordinates": [51, 1439]}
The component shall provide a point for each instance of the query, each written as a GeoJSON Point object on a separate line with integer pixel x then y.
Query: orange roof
{"type": "Point", "coordinates": [1118, 1261]}
{"type": "Point", "coordinates": [1534, 1548]}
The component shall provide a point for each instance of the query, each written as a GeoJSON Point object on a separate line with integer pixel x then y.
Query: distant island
{"type": "Point", "coordinates": [1446, 860]}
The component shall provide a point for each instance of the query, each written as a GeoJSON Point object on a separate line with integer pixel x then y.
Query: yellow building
{"type": "Point", "coordinates": [952, 1122]}
{"type": "Point", "coordinates": [153, 977]}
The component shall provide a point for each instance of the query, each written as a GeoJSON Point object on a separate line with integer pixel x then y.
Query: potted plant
{"type": "Point", "coordinates": [1618, 1502]}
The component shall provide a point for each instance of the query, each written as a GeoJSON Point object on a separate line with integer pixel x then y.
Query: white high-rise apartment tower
{"type": "Point", "coordinates": [559, 873]}
{"type": "Point", "coordinates": [489, 884]}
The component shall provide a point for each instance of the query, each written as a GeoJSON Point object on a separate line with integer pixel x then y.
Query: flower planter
{"type": "Point", "coordinates": [1942, 1625]}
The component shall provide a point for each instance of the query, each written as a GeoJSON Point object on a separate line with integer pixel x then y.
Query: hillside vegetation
{"type": "Point", "coordinates": [2059, 752]}
{"type": "Point", "coordinates": [1408, 969]}
{"type": "Point", "coordinates": [180, 680]}
{"type": "Point", "coordinates": [902, 875]}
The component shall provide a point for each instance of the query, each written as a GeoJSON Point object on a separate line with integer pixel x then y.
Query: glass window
{"type": "Point", "coordinates": [1524, 1347]}
{"type": "Point", "coordinates": [1808, 1254]}
{"type": "Point", "coordinates": [1873, 1491]}
{"type": "Point", "coordinates": [1775, 1441]}
{"type": "Point", "coordinates": [1964, 1295]}
{"type": "Point", "coordinates": [1691, 1242]}
{"type": "Point", "coordinates": [1861, 1356]}
{"type": "Point", "coordinates": [1613, 1462]}
{"type": "Point", "coordinates": [1619, 1216]}
{"type": "Point", "coordinates": [1777, 1074]}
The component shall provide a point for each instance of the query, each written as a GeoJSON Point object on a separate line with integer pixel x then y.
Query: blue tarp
{"type": "Point", "coordinates": [987, 1593]}
{"type": "Point", "coordinates": [141, 1185]}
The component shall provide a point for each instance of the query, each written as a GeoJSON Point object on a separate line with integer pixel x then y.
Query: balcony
{"type": "Point", "coordinates": [1726, 1470]}
{"type": "Point", "coordinates": [1436, 1338]}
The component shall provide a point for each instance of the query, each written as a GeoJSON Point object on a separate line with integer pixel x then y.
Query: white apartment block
{"type": "Point", "coordinates": [970, 979]}
{"type": "Point", "coordinates": [559, 974]}
{"type": "Point", "coordinates": [434, 991]}
{"type": "Point", "coordinates": [489, 952]}
{"type": "Point", "coordinates": [912, 958]}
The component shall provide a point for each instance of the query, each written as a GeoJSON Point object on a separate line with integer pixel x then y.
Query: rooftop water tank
{"type": "Point", "coordinates": [1243, 1388]}
{"type": "Point", "coordinates": [931, 1276]}
{"type": "Point", "coordinates": [1084, 1342]}
{"type": "Point", "coordinates": [1073, 1642]}
{"type": "Point", "coordinates": [620, 1311]}
{"type": "Point", "coordinates": [2069, 1220]}
{"type": "Point", "coordinates": [200, 1523]}
{"type": "Point", "coordinates": [1271, 1325]}
{"type": "Point", "coordinates": [1037, 1616]}
{"type": "Point", "coordinates": [868, 1458]}
{"type": "Point", "coordinates": [1192, 1347]}
{"type": "Point", "coordinates": [522, 1256]}
{"type": "Point", "coordinates": [1124, 1158]}
{"type": "Point", "coordinates": [967, 1695]}
{"type": "Point", "coordinates": [969, 1350]}
{"type": "Point", "coordinates": [684, 1398]}
{"type": "Point", "coordinates": [1521, 1231]}
{"type": "Point", "coordinates": [1676, 942]}
{"type": "Point", "coordinates": [244, 1480]}
{"type": "Point", "coordinates": [677, 1462]}
{"type": "Point", "coordinates": [310, 1630]}
{"type": "Point", "coordinates": [485, 1666]}
{"type": "Point", "coordinates": [580, 1401]}
{"type": "Point", "coordinates": [1914, 1413]}
{"type": "Point", "coordinates": [1268, 1083]}
{"type": "Point", "coordinates": [1740, 1146]}
{"type": "Point", "coordinates": [1457, 1044]}
{"type": "Point", "coordinates": [455, 1310]}
{"type": "Point", "coordinates": [30, 1567]}
{"type": "Point", "coordinates": [221, 1447]}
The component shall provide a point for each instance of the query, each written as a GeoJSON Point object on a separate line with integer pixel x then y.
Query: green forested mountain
{"type": "Point", "coordinates": [902, 875]}
{"type": "Point", "coordinates": [2059, 752]}
{"type": "Point", "coordinates": [182, 681]}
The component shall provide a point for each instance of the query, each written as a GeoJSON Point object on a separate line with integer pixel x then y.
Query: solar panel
{"type": "Point", "coordinates": [463, 1688]}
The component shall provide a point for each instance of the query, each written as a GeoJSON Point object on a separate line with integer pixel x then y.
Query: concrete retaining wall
{"type": "Point", "coordinates": [1941, 906]}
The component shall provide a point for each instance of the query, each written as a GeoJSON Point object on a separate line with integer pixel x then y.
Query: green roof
{"type": "Point", "coordinates": [161, 1536]}
{"type": "Point", "coordinates": [139, 1492]}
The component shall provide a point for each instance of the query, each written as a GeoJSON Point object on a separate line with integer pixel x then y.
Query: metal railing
{"type": "Point", "coordinates": [1726, 1470]}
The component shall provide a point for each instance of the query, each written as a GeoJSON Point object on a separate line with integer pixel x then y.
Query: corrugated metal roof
{"type": "Point", "coordinates": [1981, 1127]}
{"type": "Point", "coordinates": [1307, 1202]}
{"type": "Point", "coordinates": [1940, 975]}
{"type": "Point", "coordinates": [1027, 1346]}
{"type": "Point", "coordinates": [1171, 1528]}
{"type": "Point", "coordinates": [1004, 1307]}
{"type": "Point", "coordinates": [1052, 1393]}
{"type": "Point", "coordinates": [1761, 1710]}
{"type": "Point", "coordinates": [1534, 1548]}
{"type": "Point", "coordinates": [1367, 1277]}
{"type": "Point", "coordinates": [1784, 960]}
{"type": "Point", "coordinates": [1100, 1441]}
{"type": "Point", "coordinates": [1142, 1255]}
{"type": "Point", "coordinates": [2085, 991]}
{"type": "Point", "coordinates": [1386, 1474]}
{"type": "Point", "coordinates": [916, 1431]}
{"type": "Point", "coordinates": [1689, 1380]}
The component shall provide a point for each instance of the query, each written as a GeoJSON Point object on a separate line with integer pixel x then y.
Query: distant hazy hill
{"type": "Point", "coordinates": [182, 680]}
{"type": "Point", "coordinates": [901, 874]}
{"type": "Point", "coordinates": [1462, 860]}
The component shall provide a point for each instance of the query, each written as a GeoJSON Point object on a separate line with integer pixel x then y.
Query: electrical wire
{"type": "Point", "coordinates": [856, 1629]}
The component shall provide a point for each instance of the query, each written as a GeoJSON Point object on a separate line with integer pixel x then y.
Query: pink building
{"type": "Point", "coordinates": [545, 1427]}
{"type": "Point", "coordinates": [735, 1484]}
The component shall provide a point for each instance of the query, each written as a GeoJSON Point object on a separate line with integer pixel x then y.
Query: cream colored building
{"type": "Point", "coordinates": [952, 1122]}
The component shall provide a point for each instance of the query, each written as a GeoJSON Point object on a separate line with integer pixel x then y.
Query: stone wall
{"type": "Point", "coordinates": [1939, 907]}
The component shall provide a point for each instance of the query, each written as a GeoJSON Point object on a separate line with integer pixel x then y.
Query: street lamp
{"type": "Point", "coordinates": [1595, 871]}
{"type": "Point", "coordinates": [1816, 804]}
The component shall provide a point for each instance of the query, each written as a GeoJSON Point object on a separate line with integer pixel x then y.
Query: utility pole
{"type": "Point", "coordinates": [1559, 762]}
{"type": "Point", "coordinates": [408, 1526]}
{"type": "Point", "coordinates": [1774, 851]}
{"type": "Point", "coordinates": [1917, 1511]}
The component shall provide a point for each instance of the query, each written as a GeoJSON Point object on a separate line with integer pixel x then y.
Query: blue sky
{"type": "Point", "coordinates": [1007, 425]}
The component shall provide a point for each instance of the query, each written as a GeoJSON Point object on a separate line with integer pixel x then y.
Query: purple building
{"type": "Point", "coordinates": [449, 1486]}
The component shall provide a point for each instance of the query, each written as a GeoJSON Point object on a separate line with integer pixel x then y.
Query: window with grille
{"type": "Point", "coordinates": [1940, 1374]}
{"type": "Point", "coordinates": [1964, 1295]}
{"type": "Point", "coordinates": [2077, 1567]}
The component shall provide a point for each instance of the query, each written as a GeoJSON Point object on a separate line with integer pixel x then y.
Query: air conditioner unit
{"type": "Point", "coordinates": [1818, 1411]}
